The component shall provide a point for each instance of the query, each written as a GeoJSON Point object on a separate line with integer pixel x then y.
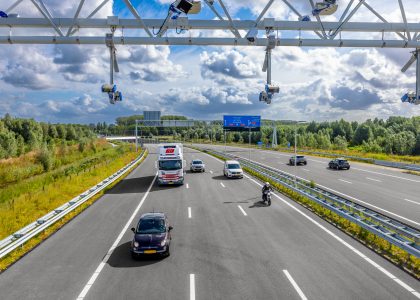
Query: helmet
{"type": "Point", "coordinates": [267, 184]}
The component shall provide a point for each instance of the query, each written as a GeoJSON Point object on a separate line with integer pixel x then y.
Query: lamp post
{"type": "Point", "coordinates": [295, 160]}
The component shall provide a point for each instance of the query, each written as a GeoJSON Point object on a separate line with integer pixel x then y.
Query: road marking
{"type": "Point", "coordinates": [387, 273]}
{"type": "Point", "coordinates": [318, 161]}
{"type": "Point", "coordinates": [211, 172]}
{"type": "Point", "coordinates": [189, 212]}
{"type": "Point", "coordinates": [295, 285]}
{"type": "Point", "coordinates": [345, 195]}
{"type": "Point", "coordinates": [192, 286]}
{"type": "Point", "coordinates": [383, 174]}
{"type": "Point", "coordinates": [377, 180]}
{"type": "Point", "coordinates": [305, 170]}
{"type": "Point", "coordinates": [240, 207]}
{"type": "Point", "coordinates": [187, 186]}
{"type": "Point", "coordinates": [412, 201]}
{"type": "Point", "coordinates": [222, 184]}
{"type": "Point", "coordinates": [98, 270]}
{"type": "Point", "coordinates": [345, 181]}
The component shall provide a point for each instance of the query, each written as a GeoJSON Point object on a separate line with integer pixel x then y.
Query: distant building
{"type": "Point", "coordinates": [151, 118]}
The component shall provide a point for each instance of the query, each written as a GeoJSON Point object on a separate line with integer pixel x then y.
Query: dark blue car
{"type": "Point", "coordinates": [152, 236]}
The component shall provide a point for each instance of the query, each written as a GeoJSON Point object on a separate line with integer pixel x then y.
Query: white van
{"type": "Point", "coordinates": [232, 169]}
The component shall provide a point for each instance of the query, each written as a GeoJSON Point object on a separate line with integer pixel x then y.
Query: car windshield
{"type": "Point", "coordinates": [170, 165]}
{"type": "Point", "coordinates": [197, 162]}
{"type": "Point", "coordinates": [151, 225]}
{"type": "Point", "coordinates": [234, 166]}
{"type": "Point", "coordinates": [342, 161]}
{"type": "Point", "coordinates": [300, 156]}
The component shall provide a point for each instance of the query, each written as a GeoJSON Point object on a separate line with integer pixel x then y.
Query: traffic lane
{"type": "Point", "coordinates": [224, 254]}
{"type": "Point", "coordinates": [367, 169]}
{"type": "Point", "coordinates": [387, 197]}
{"type": "Point", "coordinates": [203, 245]}
{"type": "Point", "coordinates": [56, 268]}
{"type": "Point", "coordinates": [317, 259]}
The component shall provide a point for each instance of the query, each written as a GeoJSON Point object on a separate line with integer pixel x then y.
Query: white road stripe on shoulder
{"type": "Point", "coordinates": [295, 285]}
{"type": "Point", "coordinates": [373, 179]}
{"type": "Point", "coordinates": [345, 181]}
{"type": "Point", "coordinates": [98, 270]}
{"type": "Point", "coordinates": [412, 201]}
{"type": "Point", "coordinates": [389, 175]}
{"type": "Point", "coordinates": [242, 210]}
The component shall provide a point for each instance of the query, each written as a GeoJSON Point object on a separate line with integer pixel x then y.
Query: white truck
{"type": "Point", "coordinates": [170, 164]}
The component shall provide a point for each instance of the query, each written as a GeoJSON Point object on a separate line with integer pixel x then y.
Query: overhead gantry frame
{"type": "Point", "coordinates": [138, 31]}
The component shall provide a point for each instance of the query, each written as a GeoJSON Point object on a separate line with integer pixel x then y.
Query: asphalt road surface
{"type": "Point", "coordinates": [386, 190]}
{"type": "Point", "coordinates": [226, 245]}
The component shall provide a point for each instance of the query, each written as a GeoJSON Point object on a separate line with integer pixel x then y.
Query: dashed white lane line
{"type": "Point", "coordinates": [242, 210]}
{"type": "Point", "coordinates": [373, 179]}
{"type": "Point", "coordinates": [192, 286]}
{"type": "Point", "coordinates": [187, 186]}
{"type": "Point", "coordinates": [318, 161]}
{"type": "Point", "coordinates": [345, 181]}
{"type": "Point", "coordinates": [412, 201]}
{"type": "Point", "coordinates": [98, 270]}
{"type": "Point", "coordinates": [295, 285]}
{"type": "Point", "coordinates": [222, 184]}
{"type": "Point", "coordinates": [211, 172]}
{"type": "Point", "coordinates": [306, 170]}
{"type": "Point", "coordinates": [189, 213]}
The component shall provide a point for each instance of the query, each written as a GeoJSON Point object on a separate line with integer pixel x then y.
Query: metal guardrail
{"type": "Point", "coordinates": [23, 235]}
{"type": "Point", "coordinates": [395, 232]}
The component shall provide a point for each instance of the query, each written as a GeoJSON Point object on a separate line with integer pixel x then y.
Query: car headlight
{"type": "Point", "coordinates": [136, 244]}
{"type": "Point", "coordinates": [163, 243]}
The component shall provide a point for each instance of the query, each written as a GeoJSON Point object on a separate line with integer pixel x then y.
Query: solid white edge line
{"type": "Point", "coordinates": [242, 210]}
{"type": "Point", "coordinates": [222, 184]}
{"type": "Point", "coordinates": [418, 203]}
{"type": "Point", "coordinates": [377, 180]}
{"type": "Point", "coordinates": [192, 286]}
{"type": "Point", "coordinates": [189, 212]}
{"type": "Point", "coordinates": [345, 181]}
{"type": "Point", "coordinates": [295, 285]}
{"type": "Point", "coordinates": [98, 270]}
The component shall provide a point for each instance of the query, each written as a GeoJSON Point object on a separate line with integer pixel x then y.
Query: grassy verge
{"type": "Point", "coordinates": [399, 257]}
{"type": "Point", "coordinates": [412, 173]}
{"type": "Point", "coordinates": [8, 260]}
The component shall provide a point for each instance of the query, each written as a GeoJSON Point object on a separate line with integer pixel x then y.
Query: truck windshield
{"type": "Point", "coordinates": [170, 165]}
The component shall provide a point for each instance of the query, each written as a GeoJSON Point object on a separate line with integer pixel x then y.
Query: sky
{"type": "Point", "coordinates": [61, 83]}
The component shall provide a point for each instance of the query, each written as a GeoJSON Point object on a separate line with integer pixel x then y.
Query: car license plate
{"type": "Point", "coordinates": [149, 251]}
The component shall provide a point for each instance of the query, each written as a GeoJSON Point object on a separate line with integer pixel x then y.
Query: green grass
{"type": "Point", "coordinates": [26, 201]}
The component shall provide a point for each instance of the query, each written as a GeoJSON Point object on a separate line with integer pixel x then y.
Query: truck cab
{"type": "Point", "coordinates": [170, 164]}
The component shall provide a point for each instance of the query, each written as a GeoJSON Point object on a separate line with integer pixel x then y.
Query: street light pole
{"type": "Point", "coordinates": [249, 143]}
{"type": "Point", "coordinates": [295, 161]}
{"type": "Point", "coordinates": [137, 145]}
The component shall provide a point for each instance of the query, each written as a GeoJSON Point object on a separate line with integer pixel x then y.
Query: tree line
{"type": "Point", "coordinates": [19, 136]}
{"type": "Point", "coordinates": [396, 135]}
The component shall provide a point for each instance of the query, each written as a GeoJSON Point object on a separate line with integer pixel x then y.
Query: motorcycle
{"type": "Point", "coordinates": [267, 197]}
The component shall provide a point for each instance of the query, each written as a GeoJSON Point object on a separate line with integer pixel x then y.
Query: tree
{"type": "Point", "coordinates": [362, 133]}
{"type": "Point", "coordinates": [340, 143]}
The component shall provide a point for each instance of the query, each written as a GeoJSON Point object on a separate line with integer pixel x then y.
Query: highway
{"type": "Point", "coordinates": [226, 245]}
{"type": "Point", "coordinates": [386, 190]}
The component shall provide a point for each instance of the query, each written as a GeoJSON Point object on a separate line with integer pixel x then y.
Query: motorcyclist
{"type": "Point", "coordinates": [267, 187]}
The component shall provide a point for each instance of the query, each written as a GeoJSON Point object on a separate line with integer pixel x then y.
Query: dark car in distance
{"type": "Point", "coordinates": [152, 235]}
{"type": "Point", "coordinates": [339, 164]}
{"type": "Point", "coordinates": [300, 160]}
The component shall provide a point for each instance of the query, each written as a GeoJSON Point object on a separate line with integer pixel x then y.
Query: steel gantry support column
{"type": "Point", "coordinates": [418, 77]}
